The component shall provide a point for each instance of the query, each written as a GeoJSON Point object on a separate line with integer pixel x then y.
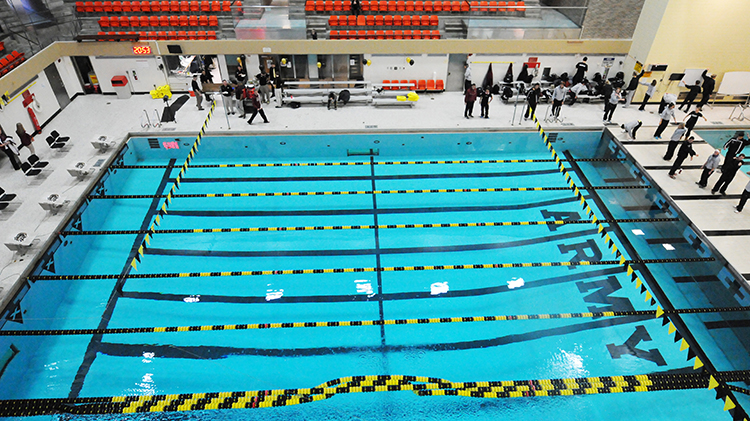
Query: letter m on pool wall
{"type": "Point", "coordinates": [629, 347]}
{"type": "Point", "coordinates": [603, 289]}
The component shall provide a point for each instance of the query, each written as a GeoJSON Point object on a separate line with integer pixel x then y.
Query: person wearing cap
{"type": "Point", "coordinates": [708, 87]}
{"type": "Point", "coordinates": [631, 127]}
{"type": "Point", "coordinates": [198, 93]}
{"type": "Point", "coordinates": [711, 164]}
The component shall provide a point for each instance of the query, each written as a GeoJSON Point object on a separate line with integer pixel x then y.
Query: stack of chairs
{"type": "Point", "coordinates": [5, 198]}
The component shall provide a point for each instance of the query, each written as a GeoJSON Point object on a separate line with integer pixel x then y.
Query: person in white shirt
{"type": "Point", "coordinates": [631, 127]}
{"type": "Point", "coordinates": [666, 115]}
{"type": "Point", "coordinates": [611, 104]}
{"type": "Point", "coordinates": [649, 93]}
{"type": "Point", "coordinates": [467, 77]}
{"type": "Point", "coordinates": [558, 96]}
{"type": "Point", "coordinates": [711, 164]}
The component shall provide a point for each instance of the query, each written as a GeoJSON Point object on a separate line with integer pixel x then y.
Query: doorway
{"type": "Point", "coordinates": [86, 75]}
{"type": "Point", "coordinates": [56, 83]}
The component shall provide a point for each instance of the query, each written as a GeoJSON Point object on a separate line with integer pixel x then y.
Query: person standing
{"type": "Point", "coordinates": [25, 138]}
{"type": "Point", "coordinates": [610, 105]}
{"type": "Point", "coordinates": [198, 93]}
{"type": "Point", "coordinates": [533, 99]}
{"type": "Point", "coordinates": [667, 99]}
{"type": "Point", "coordinates": [227, 92]}
{"type": "Point", "coordinates": [631, 127]}
{"type": "Point", "coordinates": [240, 75]}
{"type": "Point", "coordinates": [711, 164]}
{"type": "Point", "coordinates": [469, 98]}
{"type": "Point", "coordinates": [734, 145]}
{"type": "Point", "coordinates": [257, 107]}
{"type": "Point", "coordinates": [692, 94]}
{"type": "Point", "coordinates": [649, 93]}
{"type": "Point", "coordinates": [709, 83]}
{"type": "Point", "coordinates": [679, 132]}
{"type": "Point", "coordinates": [485, 97]}
{"type": "Point", "coordinates": [581, 69]}
{"type": "Point", "coordinates": [632, 87]}
{"type": "Point", "coordinates": [239, 91]}
{"type": "Point", "coordinates": [692, 119]}
{"type": "Point", "coordinates": [686, 149]}
{"type": "Point", "coordinates": [467, 77]}
{"type": "Point", "coordinates": [743, 198]}
{"type": "Point", "coordinates": [728, 171]}
{"type": "Point", "coordinates": [265, 88]}
{"type": "Point", "coordinates": [356, 7]}
{"type": "Point", "coordinates": [10, 149]}
{"type": "Point", "coordinates": [666, 115]}
{"type": "Point", "coordinates": [558, 96]}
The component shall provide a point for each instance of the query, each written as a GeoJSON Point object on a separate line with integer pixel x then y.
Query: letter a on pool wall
{"type": "Point", "coordinates": [629, 347]}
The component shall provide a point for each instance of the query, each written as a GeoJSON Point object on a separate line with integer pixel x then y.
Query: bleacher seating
{"type": "Point", "coordinates": [166, 35]}
{"type": "Point", "coordinates": [387, 34]}
{"type": "Point", "coordinates": [172, 7]}
{"type": "Point", "coordinates": [502, 8]}
{"type": "Point", "coordinates": [423, 85]}
{"type": "Point", "coordinates": [10, 61]}
{"type": "Point", "coordinates": [380, 21]}
{"type": "Point", "coordinates": [162, 21]}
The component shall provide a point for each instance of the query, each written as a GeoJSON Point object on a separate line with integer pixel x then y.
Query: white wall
{"type": "Point", "coordinates": [396, 68]}
{"type": "Point", "coordinates": [68, 75]}
{"type": "Point", "coordinates": [14, 112]}
{"type": "Point", "coordinates": [146, 69]}
{"type": "Point", "coordinates": [558, 63]}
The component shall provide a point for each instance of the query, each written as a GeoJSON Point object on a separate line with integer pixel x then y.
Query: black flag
{"type": "Point", "coordinates": [509, 74]}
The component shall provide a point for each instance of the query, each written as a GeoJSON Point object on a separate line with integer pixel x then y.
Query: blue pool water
{"type": "Point", "coordinates": [244, 360]}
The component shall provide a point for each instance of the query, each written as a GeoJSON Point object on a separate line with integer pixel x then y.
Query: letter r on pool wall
{"type": "Point", "coordinates": [580, 249]}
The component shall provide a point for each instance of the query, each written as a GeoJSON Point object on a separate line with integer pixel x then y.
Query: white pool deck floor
{"type": "Point", "coordinates": [90, 116]}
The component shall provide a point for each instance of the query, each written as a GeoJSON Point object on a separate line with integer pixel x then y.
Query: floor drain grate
{"type": "Point", "coordinates": [717, 122]}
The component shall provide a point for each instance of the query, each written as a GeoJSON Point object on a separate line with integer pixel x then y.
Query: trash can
{"type": "Point", "coordinates": [120, 85]}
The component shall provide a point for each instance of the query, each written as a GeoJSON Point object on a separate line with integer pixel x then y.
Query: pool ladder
{"type": "Point", "coordinates": [148, 123]}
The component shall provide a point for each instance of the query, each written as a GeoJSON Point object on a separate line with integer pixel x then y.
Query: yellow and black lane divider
{"type": "Point", "coordinates": [360, 323]}
{"type": "Point", "coordinates": [420, 385]}
{"type": "Point", "coordinates": [362, 227]}
{"type": "Point", "coordinates": [170, 196]}
{"type": "Point", "coordinates": [363, 163]}
{"type": "Point", "coordinates": [622, 261]}
{"type": "Point", "coordinates": [729, 403]}
{"type": "Point", "coordinates": [175, 186]}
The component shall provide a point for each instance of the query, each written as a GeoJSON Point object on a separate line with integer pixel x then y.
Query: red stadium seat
{"type": "Point", "coordinates": [421, 85]}
{"type": "Point", "coordinates": [104, 22]}
{"type": "Point", "coordinates": [400, 6]}
{"type": "Point", "coordinates": [192, 35]}
{"type": "Point", "coordinates": [195, 6]}
{"type": "Point", "coordinates": [205, 6]}
{"type": "Point", "coordinates": [398, 20]}
{"type": "Point", "coordinates": [193, 20]}
{"type": "Point", "coordinates": [174, 20]}
{"type": "Point", "coordinates": [213, 20]}
{"type": "Point", "coordinates": [333, 34]}
{"type": "Point", "coordinates": [378, 20]}
{"type": "Point", "coordinates": [202, 20]}
{"type": "Point", "coordinates": [408, 34]}
{"type": "Point", "coordinates": [430, 85]}
{"type": "Point", "coordinates": [389, 34]}
{"type": "Point", "coordinates": [398, 34]}
{"type": "Point", "coordinates": [184, 21]}
{"type": "Point", "coordinates": [211, 35]}
{"type": "Point", "coordinates": [406, 20]}
{"type": "Point", "coordinates": [439, 86]}
{"type": "Point", "coordinates": [88, 6]}
{"type": "Point", "coordinates": [370, 20]}
{"type": "Point", "coordinates": [380, 34]}
{"type": "Point", "coordinates": [416, 34]}
{"type": "Point", "coordinates": [201, 35]}
{"type": "Point", "coordinates": [388, 20]}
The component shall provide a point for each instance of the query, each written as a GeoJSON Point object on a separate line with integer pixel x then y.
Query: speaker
{"type": "Point", "coordinates": [174, 49]}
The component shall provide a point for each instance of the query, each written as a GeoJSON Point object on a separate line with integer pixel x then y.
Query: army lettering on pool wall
{"type": "Point", "coordinates": [559, 216]}
{"type": "Point", "coordinates": [580, 249]}
{"type": "Point", "coordinates": [629, 347]}
{"type": "Point", "coordinates": [603, 288]}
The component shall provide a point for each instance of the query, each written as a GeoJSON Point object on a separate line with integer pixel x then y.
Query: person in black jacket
{"type": "Point", "coordinates": [239, 91]}
{"type": "Point", "coordinates": [240, 75]}
{"type": "Point", "coordinates": [692, 119]}
{"type": "Point", "coordinates": [227, 93]}
{"type": "Point", "coordinates": [694, 91]}
{"type": "Point", "coordinates": [728, 171]}
{"type": "Point", "coordinates": [709, 83]}
{"type": "Point", "coordinates": [265, 88]}
{"type": "Point", "coordinates": [257, 107]}
{"type": "Point", "coordinates": [485, 97]}
{"type": "Point", "coordinates": [533, 99]}
{"type": "Point", "coordinates": [686, 148]}
{"type": "Point", "coordinates": [735, 145]}
{"type": "Point", "coordinates": [632, 87]}
{"type": "Point", "coordinates": [581, 69]}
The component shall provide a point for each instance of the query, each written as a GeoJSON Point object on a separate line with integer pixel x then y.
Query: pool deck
{"type": "Point", "coordinates": [118, 119]}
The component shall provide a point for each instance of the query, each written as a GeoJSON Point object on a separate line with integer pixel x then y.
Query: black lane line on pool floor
{"type": "Point", "coordinates": [95, 342]}
{"type": "Point", "coordinates": [210, 352]}
{"type": "Point", "coordinates": [396, 296]}
{"type": "Point", "coordinates": [366, 178]}
{"type": "Point", "coordinates": [377, 251]}
{"type": "Point", "coordinates": [648, 277]}
{"type": "Point", "coordinates": [382, 211]}
{"type": "Point", "coordinates": [379, 274]}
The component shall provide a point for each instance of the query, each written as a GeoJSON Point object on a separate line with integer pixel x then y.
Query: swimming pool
{"type": "Point", "coordinates": [366, 231]}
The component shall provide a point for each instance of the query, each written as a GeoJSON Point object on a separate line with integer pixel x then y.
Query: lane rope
{"type": "Point", "coordinates": [420, 385]}
{"type": "Point", "coordinates": [363, 163]}
{"type": "Point", "coordinates": [622, 261]}
{"type": "Point", "coordinates": [362, 227]}
{"type": "Point", "coordinates": [355, 323]}
{"type": "Point", "coordinates": [354, 192]}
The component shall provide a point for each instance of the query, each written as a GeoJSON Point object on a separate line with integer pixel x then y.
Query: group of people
{"type": "Point", "coordinates": [12, 147]}
{"type": "Point", "coordinates": [242, 95]}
